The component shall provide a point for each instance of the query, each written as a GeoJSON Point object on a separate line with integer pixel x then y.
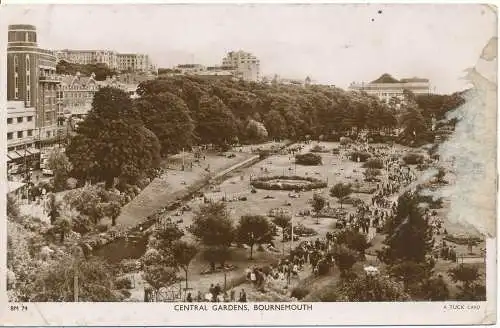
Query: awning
{"type": "Point", "coordinates": [13, 155]}
{"type": "Point", "coordinates": [33, 151]}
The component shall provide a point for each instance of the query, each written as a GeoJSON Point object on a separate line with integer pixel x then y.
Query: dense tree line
{"type": "Point", "coordinates": [123, 138]}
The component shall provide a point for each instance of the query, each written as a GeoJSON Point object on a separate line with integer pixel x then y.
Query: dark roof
{"type": "Point", "coordinates": [415, 79]}
{"type": "Point", "coordinates": [385, 78]}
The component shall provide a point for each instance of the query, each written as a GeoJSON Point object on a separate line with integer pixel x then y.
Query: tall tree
{"type": "Point", "coordinates": [168, 117]}
{"type": "Point", "coordinates": [216, 123]}
{"type": "Point", "coordinates": [254, 229]}
{"type": "Point", "coordinates": [61, 166]}
{"type": "Point", "coordinates": [408, 227]}
{"type": "Point", "coordinates": [341, 191]}
{"type": "Point", "coordinates": [184, 253]}
{"type": "Point", "coordinates": [282, 221]}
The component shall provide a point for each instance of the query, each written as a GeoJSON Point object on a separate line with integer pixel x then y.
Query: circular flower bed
{"type": "Point", "coordinates": [282, 182]}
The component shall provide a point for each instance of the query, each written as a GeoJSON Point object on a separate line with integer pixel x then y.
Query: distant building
{"type": "Point", "coordinates": [276, 79]}
{"type": "Point", "coordinates": [114, 82]}
{"type": "Point", "coordinates": [246, 65]}
{"type": "Point", "coordinates": [387, 87]}
{"type": "Point", "coordinates": [187, 69]}
{"type": "Point", "coordinates": [76, 94]}
{"type": "Point", "coordinates": [122, 62]}
{"type": "Point", "coordinates": [32, 80]}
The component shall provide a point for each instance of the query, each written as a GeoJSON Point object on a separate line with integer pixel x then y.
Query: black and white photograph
{"type": "Point", "coordinates": [238, 157]}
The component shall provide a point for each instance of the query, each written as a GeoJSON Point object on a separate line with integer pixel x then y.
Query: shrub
{"type": "Point", "coordinates": [371, 174]}
{"type": "Point", "coordinates": [123, 283]}
{"type": "Point", "coordinates": [267, 184]}
{"type": "Point", "coordinates": [102, 227]}
{"type": "Point", "coordinates": [374, 163]}
{"type": "Point", "coordinates": [362, 155]}
{"type": "Point", "coordinates": [413, 159]}
{"type": "Point", "coordinates": [126, 294]}
{"type": "Point", "coordinates": [300, 292]}
{"type": "Point", "coordinates": [308, 159]}
{"type": "Point", "coordinates": [344, 141]}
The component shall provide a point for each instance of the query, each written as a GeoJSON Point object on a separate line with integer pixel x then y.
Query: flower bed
{"type": "Point", "coordinates": [282, 182]}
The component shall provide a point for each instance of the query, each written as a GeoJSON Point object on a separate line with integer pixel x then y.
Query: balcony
{"type": "Point", "coordinates": [50, 78]}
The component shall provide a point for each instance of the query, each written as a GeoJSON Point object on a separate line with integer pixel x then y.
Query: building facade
{"type": "Point", "coordinates": [76, 93]}
{"type": "Point", "coordinates": [246, 65]}
{"type": "Point", "coordinates": [386, 87]}
{"type": "Point", "coordinates": [32, 79]}
{"type": "Point", "coordinates": [113, 59]}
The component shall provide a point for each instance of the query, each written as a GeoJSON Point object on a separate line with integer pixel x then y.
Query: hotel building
{"type": "Point", "coordinates": [386, 87]}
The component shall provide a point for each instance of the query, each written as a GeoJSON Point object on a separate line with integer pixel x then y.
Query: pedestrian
{"type": "Point", "coordinates": [189, 298]}
{"type": "Point", "coordinates": [243, 296]}
{"type": "Point", "coordinates": [217, 291]}
{"type": "Point", "coordinates": [232, 295]}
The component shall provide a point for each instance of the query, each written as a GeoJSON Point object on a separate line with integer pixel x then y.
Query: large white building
{"type": "Point", "coordinates": [246, 65]}
{"type": "Point", "coordinates": [122, 62]}
{"type": "Point", "coordinates": [387, 87]}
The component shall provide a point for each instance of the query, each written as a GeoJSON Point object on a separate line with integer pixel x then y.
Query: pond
{"type": "Point", "coordinates": [123, 248]}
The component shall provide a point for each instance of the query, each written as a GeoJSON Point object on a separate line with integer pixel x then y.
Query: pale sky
{"type": "Point", "coordinates": [331, 43]}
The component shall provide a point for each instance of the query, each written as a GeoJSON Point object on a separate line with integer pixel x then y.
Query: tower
{"type": "Point", "coordinates": [31, 77]}
{"type": "Point", "coordinates": [22, 64]}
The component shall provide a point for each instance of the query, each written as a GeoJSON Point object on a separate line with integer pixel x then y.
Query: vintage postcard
{"type": "Point", "coordinates": [248, 164]}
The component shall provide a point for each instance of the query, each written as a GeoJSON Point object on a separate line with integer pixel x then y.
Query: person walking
{"type": "Point", "coordinates": [243, 296]}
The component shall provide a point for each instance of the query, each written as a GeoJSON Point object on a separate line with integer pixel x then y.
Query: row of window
{"type": "Point", "coordinates": [19, 119]}
{"type": "Point", "coordinates": [20, 134]}
{"type": "Point", "coordinates": [29, 133]}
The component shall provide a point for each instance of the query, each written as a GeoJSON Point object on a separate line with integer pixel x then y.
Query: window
{"type": "Point", "coordinates": [28, 82]}
{"type": "Point", "coordinates": [9, 120]}
{"type": "Point", "coordinates": [20, 119]}
{"type": "Point", "coordinates": [30, 133]}
{"type": "Point", "coordinates": [19, 134]}
{"type": "Point", "coordinates": [30, 118]}
{"type": "Point", "coordinates": [10, 135]}
{"type": "Point", "coordinates": [26, 37]}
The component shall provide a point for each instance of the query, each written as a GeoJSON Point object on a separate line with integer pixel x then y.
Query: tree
{"type": "Point", "coordinates": [408, 227]}
{"type": "Point", "coordinates": [371, 174]}
{"type": "Point", "coordinates": [308, 159]}
{"type": "Point", "coordinates": [282, 221]}
{"type": "Point", "coordinates": [216, 123]}
{"type": "Point", "coordinates": [60, 164]}
{"type": "Point", "coordinates": [12, 208]}
{"type": "Point", "coordinates": [468, 276]}
{"type": "Point", "coordinates": [112, 210]}
{"type": "Point", "coordinates": [55, 282]}
{"type": "Point", "coordinates": [183, 255]}
{"type": "Point", "coordinates": [158, 276]}
{"type": "Point", "coordinates": [115, 144]}
{"type": "Point", "coordinates": [254, 229]}
{"type": "Point", "coordinates": [436, 289]}
{"type": "Point", "coordinates": [440, 175]}
{"type": "Point", "coordinates": [168, 117]}
{"type": "Point", "coordinates": [318, 204]}
{"type": "Point", "coordinates": [372, 289]}
{"type": "Point", "coordinates": [411, 274]}
{"type": "Point", "coordinates": [62, 227]}
{"type": "Point", "coordinates": [345, 258]}
{"type": "Point", "coordinates": [87, 201]}
{"type": "Point", "coordinates": [214, 228]}
{"type": "Point", "coordinates": [341, 191]}
{"type": "Point", "coordinates": [212, 225]}
{"type": "Point", "coordinates": [53, 207]}
{"type": "Point", "coordinates": [165, 236]}
{"type": "Point", "coordinates": [256, 131]}
{"type": "Point", "coordinates": [353, 239]}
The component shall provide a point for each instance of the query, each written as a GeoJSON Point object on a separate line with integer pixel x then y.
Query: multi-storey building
{"type": "Point", "coordinates": [386, 87]}
{"type": "Point", "coordinates": [113, 59]}
{"type": "Point", "coordinates": [189, 68]}
{"type": "Point", "coordinates": [246, 65]}
{"type": "Point", "coordinates": [85, 57]}
{"type": "Point", "coordinates": [76, 94]}
{"type": "Point", "coordinates": [133, 62]}
{"type": "Point", "coordinates": [31, 79]}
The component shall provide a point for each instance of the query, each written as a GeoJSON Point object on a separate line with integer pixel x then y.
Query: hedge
{"type": "Point", "coordinates": [413, 159]}
{"type": "Point", "coordinates": [308, 159]}
{"type": "Point", "coordinates": [374, 163]}
{"type": "Point", "coordinates": [264, 183]}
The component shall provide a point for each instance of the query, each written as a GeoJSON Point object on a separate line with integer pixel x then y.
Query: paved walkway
{"type": "Point", "coordinates": [173, 185]}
